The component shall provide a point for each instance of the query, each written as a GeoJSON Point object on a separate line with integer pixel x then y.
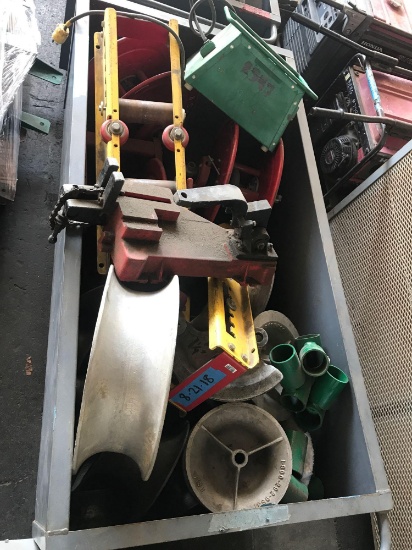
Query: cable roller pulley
{"type": "Point", "coordinates": [238, 457]}
{"type": "Point", "coordinates": [114, 127]}
{"type": "Point", "coordinates": [173, 135]}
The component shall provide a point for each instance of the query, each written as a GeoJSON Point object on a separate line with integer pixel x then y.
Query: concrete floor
{"type": "Point", "coordinates": [26, 264]}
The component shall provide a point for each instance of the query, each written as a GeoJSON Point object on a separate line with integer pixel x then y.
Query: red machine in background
{"type": "Point", "coordinates": [365, 117]}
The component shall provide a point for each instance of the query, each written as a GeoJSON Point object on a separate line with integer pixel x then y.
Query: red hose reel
{"type": "Point", "coordinates": [144, 74]}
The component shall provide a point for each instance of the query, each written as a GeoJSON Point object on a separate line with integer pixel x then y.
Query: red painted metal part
{"type": "Point", "coordinates": [134, 146]}
{"type": "Point", "coordinates": [138, 58]}
{"type": "Point", "coordinates": [138, 61]}
{"type": "Point", "coordinates": [143, 53]}
{"type": "Point", "coordinates": [226, 150]}
{"type": "Point", "coordinates": [107, 135]}
{"type": "Point", "coordinates": [155, 239]}
{"type": "Point", "coordinates": [395, 13]}
{"type": "Point", "coordinates": [269, 172]}
{"type": "Point", "coordinates": [225, 155]}
{"type": "Point", "coordinates": [257, 12]}
{"type": "Point", "coordinates": [104, 132]}
{"type": "Point", "coordinates": [142, 31]}
{"type": "Point", "coordinates": [155, 88]}
{"type": "Point", "coordinates": [212, 377]}
{"type": "Point", "coordinates": [168, 141]}
{"type": "Point", "coordinates": [396, 101]}
{"type": "Point", "coordinates": [155, 170]}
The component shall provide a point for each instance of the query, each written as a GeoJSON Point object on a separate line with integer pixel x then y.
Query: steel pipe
{"type": "Point", "coordinates": [146, 112]}
{"type": "Point", "coordinates": [340, 114]}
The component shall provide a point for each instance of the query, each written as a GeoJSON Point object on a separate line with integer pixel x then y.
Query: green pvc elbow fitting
{"type": "Point", "coordinates": [296, 492]}
{"type": "Point", "coordinates": [285, 358]}
{"type": "Point", "coordinates": [310, 419]}
{"type": "Point", "coordinates": [296, 400]}
{"type": "Point", "coordinates": [326, 389]}
{"type": "Point", "coordinates": [313, 359]}
{"type": "Point", "coordinates": [300, 341]}
{"type": "Point", "coordinates": [298, 444]}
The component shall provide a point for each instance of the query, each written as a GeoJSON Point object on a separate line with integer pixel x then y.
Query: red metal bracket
{"type": "Point", "coordinates": [155, 239]}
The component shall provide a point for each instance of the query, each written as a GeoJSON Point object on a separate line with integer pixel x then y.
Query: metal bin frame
{"type": "Point", "coordinates": [355, 477]}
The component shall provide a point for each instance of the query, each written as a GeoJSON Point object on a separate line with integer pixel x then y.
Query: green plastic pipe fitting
{"type": "Point", "coordinates": [324, 392]}
{"type": "Point", "coordinates": [285, 358]}
{"type": "Point", "coordinates": [296, 492]}
{"type": "Point", "coordinates": [312, 356]}
{"type": "Point", "coordinates": [296, 400]}
{"type": "Point", "coordinates": [298, 444]}
{"type": "Point", "coordinates": [296, 386]}
{"type": "Point", "coordinates": [311, 418]}
{"type": "Point", "coordinates": [326, 389]}
{"type": "Point", "coordinates": [310, 383]}
{"type": "Point", "coordinates": [300, 341]}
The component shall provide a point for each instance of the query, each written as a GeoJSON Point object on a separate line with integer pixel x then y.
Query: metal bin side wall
{"type": "Point", "coordinates": [308, 289]}
{"type": "Point", "coordinates": [348, 456]}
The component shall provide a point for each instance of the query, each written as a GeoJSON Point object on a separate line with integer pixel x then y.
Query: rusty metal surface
{"type": "Point", "coordinates": [395, 13]}
{"type": "Point", "coordinates": [155, 239]}
{"type": "Point", "coordinates": [145, 112]}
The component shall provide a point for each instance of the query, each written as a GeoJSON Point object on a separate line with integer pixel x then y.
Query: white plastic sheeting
{"type": "Point", "coordinates": [19, 40]}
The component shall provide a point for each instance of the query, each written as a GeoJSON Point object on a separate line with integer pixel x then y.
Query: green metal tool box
{"type": "Point", "coordinates": [246, 79]}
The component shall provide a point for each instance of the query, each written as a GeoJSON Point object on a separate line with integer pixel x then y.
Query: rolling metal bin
{"type": "Point", "coordinates": [307, 289]}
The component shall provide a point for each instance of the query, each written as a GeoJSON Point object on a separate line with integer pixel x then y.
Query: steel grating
{"type": "Point", "coordinates": [373, 243]}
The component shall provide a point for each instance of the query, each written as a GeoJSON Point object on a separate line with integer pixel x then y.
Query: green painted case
{"type": "Point", "coordinates": [248, 81]}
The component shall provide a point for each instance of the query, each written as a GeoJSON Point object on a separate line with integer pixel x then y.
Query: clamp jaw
{"type": "Point", "coordinates": [249, 220]}
{"type": "Point", "coordinates": [151, 235]}
{"type": "Point", "coordinates": [87, 204]}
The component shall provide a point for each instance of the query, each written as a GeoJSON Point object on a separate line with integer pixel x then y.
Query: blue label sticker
{"type": "Point", "coordinates": [209, 378]}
